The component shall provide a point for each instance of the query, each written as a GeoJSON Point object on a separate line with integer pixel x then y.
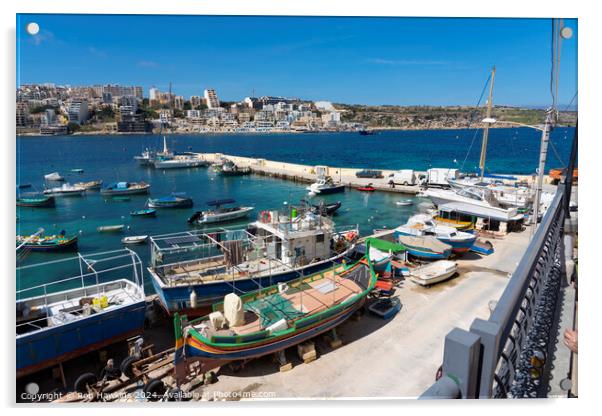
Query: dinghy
{"type": "Point", "coordinates": [111, 228]}
{"type": "Point", "coordinates": [149, 212]}
{"type": "Point", "coordinates": [427, 247]}
{"type": "Point", "coordinates": [405, 203]}
{"type": "Point", "coordinates": [172, 201]}
{"type": "Point", "coordinates": [482, 247]}
{"type": "Point", "coordinates": [432, 273]}
{"type": "Point", "coordinates": [385, 308]}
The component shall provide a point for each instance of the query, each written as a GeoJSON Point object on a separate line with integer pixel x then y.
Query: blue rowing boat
{"type": "Point", "coordinates": [427, 247]}
{"type": "Point", "coordinates": [148, 212]}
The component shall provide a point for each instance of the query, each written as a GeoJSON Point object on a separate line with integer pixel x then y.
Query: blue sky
{"type": "Point", "coordinates": [404, 61]}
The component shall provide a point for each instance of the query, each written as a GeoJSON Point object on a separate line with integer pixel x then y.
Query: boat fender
{"type": "Point", "coordinates": [127, 366]}
{"type": "Point", "coordinates": [193, 299]}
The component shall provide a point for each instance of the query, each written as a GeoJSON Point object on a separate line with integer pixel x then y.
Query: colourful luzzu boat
{"type": "Point", "coordinates": [36, 201]}
{"type": "Point", "coordinates": [272, 319]}
{"type": "Point", "coordinates": [47, 243]}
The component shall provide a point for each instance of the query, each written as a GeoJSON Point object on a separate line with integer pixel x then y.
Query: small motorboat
{"type": "Point", "coordinates": [77, 170]}
{"type": "Point", "coordinates": [231, 169]}
{"type": "Point", "coordinates": [24, 185]}
{"type": "Point", "coordinates": [385, 308]}
{"type": "Point", "coordinates": [47, 243]}
{"type": "Point", "coordinates": [482, 247]}
{"type": "Point", "coordinates": [90, 186]}
{"type": "Point", "coordinates": [324, 186]}
{"type": "Point", "coordinates": [111, 228]}
{"type": "Point", "coordinates": [404, 203]}
{"type": "Point", "coordinates": [432, 273]}
{"type": "Point", "coordinates": [368, 188]}
{"type": "Point", "coordinates": [65, 190]}
{"type": "Point", "coordinates": [135, 239]}
{"type": "Point", "coordinates": [148, 212]}
{"type": "Point", "coordinates": [172, 201]}
{"type": "Point", "coordinates": [36, 201]}
{"type": "Point", "coordinates": [326, 209]}
{"type": "Point", "coordinates": [219, 213]}
{"type": "Point", "coordinates": [54, 176]}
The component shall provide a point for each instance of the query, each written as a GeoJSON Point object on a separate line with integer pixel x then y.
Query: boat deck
{"type": "Point", "coordinates": [62, 307]}
{"type": "Point", "coordinates": [308, 298]}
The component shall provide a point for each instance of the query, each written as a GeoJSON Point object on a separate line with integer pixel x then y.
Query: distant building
{"type": "Point", "coordinates": [107, 98]}
{"type": "Point", "coordinates": [252, 102]}
{"type": "Point", "coordinates": [49, 117]}
{"type": "Point", "coordinates": [153, 94]}
{"type": "Point", "coordinates": [211, 99]}
{"type": "Point", "coordinates": [179, 102]}
{"type": "Point", "coordinates": [193, 114]}
{"type": "Point", "coordinates": [77, 112]}
{"type": "Point", "coordinates": [324, 106]}
{"type": "Point", "coordinates": [195, 101]}
{"type": "Point", "coordinates": [22, 114]}
{"type": "Point", "coordinates": [54, 130]}
{"type": "Point", "coordinates": [134, 123]}
{"type": "Point", "coordinates": [331, 119]}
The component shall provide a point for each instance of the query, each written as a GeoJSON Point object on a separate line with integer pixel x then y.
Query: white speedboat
{"type": "Point", "coordinates": [66, 190]}
{"type": "Point", "coordinates": [432, 273]}
{"type": "Point", "coordinates": [507, 196]}
{"type": "Point", "coordinates": [325, 185]}
{"type": "Point", "coordinates": [54, 176]}
{"type": "Point", "coordinates": [178, 162]}
{"type": "Point", "coordinates": [219, 213]}
{"type": "Point", "coordinates": [484, 199]}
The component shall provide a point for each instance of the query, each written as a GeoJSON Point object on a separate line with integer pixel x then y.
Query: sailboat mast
{"type": "Point", "coordinates": [487, 122]}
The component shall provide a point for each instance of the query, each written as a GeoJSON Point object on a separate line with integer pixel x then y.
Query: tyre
{"type": "Point", "coordinates": [83, 381]}
{"type": "Point", "coordinates": [405, 183]}
{"type": "Point", "coordinates": [154, 390]}
{"type": "Point", "coordinates": [127, 367]}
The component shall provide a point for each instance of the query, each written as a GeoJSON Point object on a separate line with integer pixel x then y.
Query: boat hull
{"type": "Point", "coordinates": [230, 216]}
{"type": "Point", "coordinates": [177, 298]}
{"type": "Point", "coordinates": [136, 191]}
{"type": "Point", "coordinates": [331, 190]}
{"type": "Point", "coordinates": [57, 344]}
{"type": "Point", "coordinates": [66, 246]}
{"type": "Point", "coordinates": [48, 202]}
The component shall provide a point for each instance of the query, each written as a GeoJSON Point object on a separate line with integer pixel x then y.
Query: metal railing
{"type": "Point", "coordinates": [507, 354]}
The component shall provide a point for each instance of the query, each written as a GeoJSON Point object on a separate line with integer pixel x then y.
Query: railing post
{"type": "Point", "coordinates": [461, 356]}
{"type": "Point", "coordinates": [489, 333]}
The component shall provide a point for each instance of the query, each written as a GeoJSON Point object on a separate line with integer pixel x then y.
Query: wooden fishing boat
{"type": "Point", "coordinates": [172, 201]}
{"type": "Point", "coordinates": [427, 247]}
{"type": "Point", "coordinates": [111, 228]}
{"type": "Point", "coordinates": [148, 212]}
{"type": "Point", "coordinates": [272, 319]}
{"type": "Point", "coordinates": [47, 243]}
{"type": "Point", "coordinates": [432, 273]}
{"type": "Point", "coordinates": [90, 186]}
{"type": "Point", "coordinates": [36, 201]}
{"type": "Point", "coordinates": [125, 188]}
{"type": "Point", "coordinates": [385, 308]}
{"type": "Point", "coordinates": [135, 239]}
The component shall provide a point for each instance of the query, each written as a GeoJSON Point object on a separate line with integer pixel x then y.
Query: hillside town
{"type": "Point", "coordinates": [50, 109]}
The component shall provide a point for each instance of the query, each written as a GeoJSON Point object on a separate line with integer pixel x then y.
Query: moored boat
{"type": "Point", "coordinates": [59, 242]}
{"type": "Point", "coordinates": [54, 176]}
{"type": "Point", "coordinates": [148, 212]}
{"type": "Point", "coordinates": [326, 209]}
{"type": "Point", "coordinates": [404, 203]}
{"type": "Point", "coordinates": [219, 213]}
{"type": "Point", "coordinates": [36, 201]}
{"type": "Point", "coordinates": [111, 228]}
{"type": "Point", "coordinates": [69, 316]}
{"type": "Point", "coordinates": [179, 162]}
{"type": "Point", "coordinates": [90, 185]}
{"type": "Point", "coordinates": [77, 170]}
{"type": "Point", "coordinates": [125, 188]}
{"type": "Point", "coordinates": [134, 239]}
{"type": "Point", "coordinates": [172, 201]}
{"type": "Point", "coordinates": [423, 225]}
{"type": "Point", "coordinates": [432, 273]}
{"type": "Point", "coordinates": [272, 319]}
{"type": "Point", "coordinates": [367, 188]}
{"type": "Point", "coordinates": [65, 190]}
{"type": "Point", "coordinates": [231, 169]}
{"type": "Point", "coordinates": [325, 186]}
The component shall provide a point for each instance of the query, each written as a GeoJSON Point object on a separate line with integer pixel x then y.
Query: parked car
{"type": "Point", "coordinates": [367, 173]}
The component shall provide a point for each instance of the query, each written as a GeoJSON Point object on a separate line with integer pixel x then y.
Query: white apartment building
{"type": "Point", "coordinates": [77, 112]}
{"type": "Point", "coordinates": [211, 98]}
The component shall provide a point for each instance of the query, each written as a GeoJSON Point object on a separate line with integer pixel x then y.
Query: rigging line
{"type": "Point", "coordinates": [471, 120]}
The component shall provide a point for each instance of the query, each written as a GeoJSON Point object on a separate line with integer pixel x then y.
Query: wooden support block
{"type": "Point", "coordinates": [336, 343]}
{"type": "Point", "coordinates": [286, 367]}
{"type": "Point", "coordinates": [280, 358]}
{"type": "Point", "coordinates": [307, 352]}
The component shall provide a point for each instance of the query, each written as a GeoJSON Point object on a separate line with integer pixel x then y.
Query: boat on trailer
{"type": "Point", "coordinates": [219, 213]}
{"type": "Point", "coordinates": [193, 269]}
{"type": "Point", "coordinates": [101, 304]}
{"type": "Point", "coordinates": [272, 319]}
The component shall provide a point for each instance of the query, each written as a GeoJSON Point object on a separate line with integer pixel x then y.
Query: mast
{"type": "Point", "coordinates": [487, 122]}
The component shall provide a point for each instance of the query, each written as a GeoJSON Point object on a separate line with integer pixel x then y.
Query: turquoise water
{"type": "Point", "coordinates": [110, 158]}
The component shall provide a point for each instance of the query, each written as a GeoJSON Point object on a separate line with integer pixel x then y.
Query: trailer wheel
{"type": "Point", "coordinates": [83, 381]}
{"type": "Point", "coordinates": [405, 183]}
{"type": "Point", "coordinates": [154, 390]}
{"type": "Point", "coordinates": [127, 367]}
